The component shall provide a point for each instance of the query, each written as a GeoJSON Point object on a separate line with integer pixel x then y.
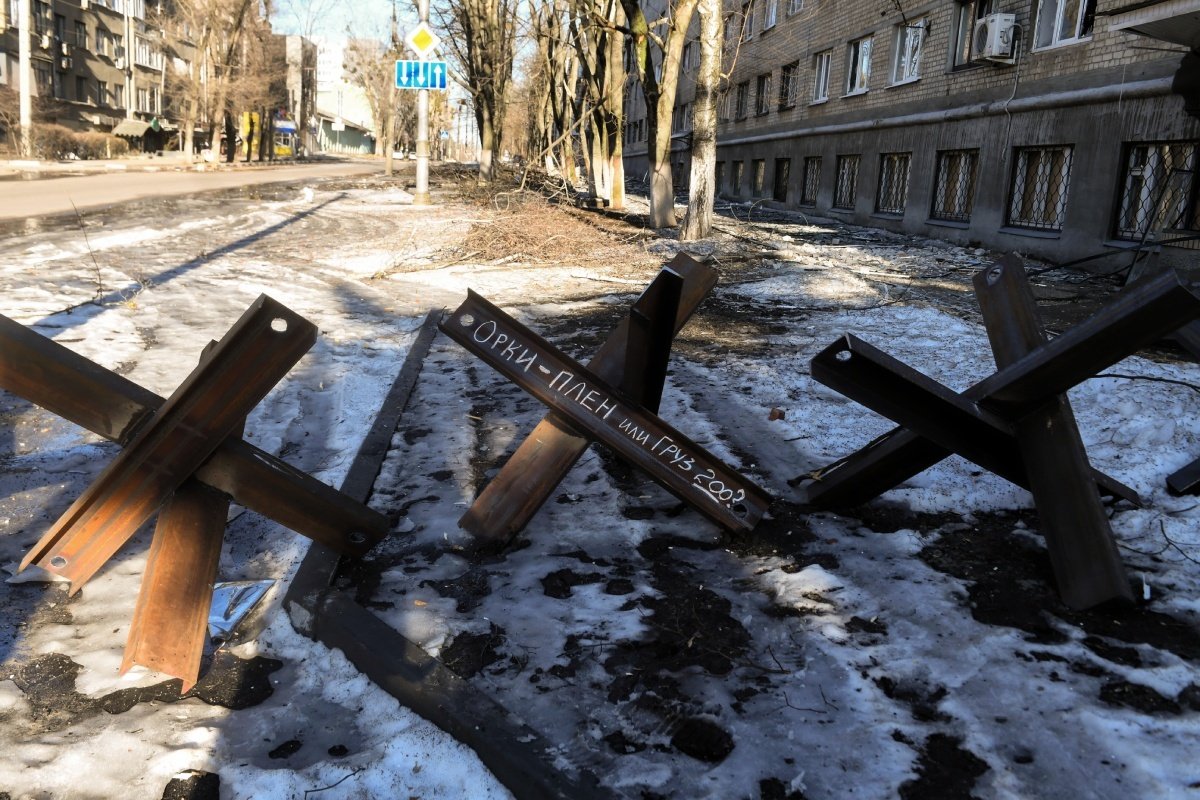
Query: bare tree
{"type": "Point", "coordinates": [596, 32]}
{"type": "Point", "coordinates": [481, 40]}
{"type": "Point", "coordinates": [656, 57]}
{"type": "Point", "coordinates": [702, 189]}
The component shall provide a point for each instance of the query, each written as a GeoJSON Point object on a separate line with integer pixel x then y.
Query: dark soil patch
{"type": "Point", "coordinates": [287, 749]}
{"type": "Point", "coordinates": [468, 589]}
{"type": "Point", "coordinates": [558, 584]}
{"type": "Point", "coordinates": [1010, 584]}
{"type": "Point", "coordinates": [469, 653]}
{"type": "Point", "coordinates": [775, 789]}
{"type": "Point", "coordinates": [922, 700]}
{"type": "Point", "coordinates": [49, 685]}
{"type": "Point", "coordinates": [194, 785]}
{"type": "Point", "coordinates": [945, 771]}
{"type": "Point", "coordinates": [1140, 698]}
{"type": "Point", "coordinates": [703, 740]}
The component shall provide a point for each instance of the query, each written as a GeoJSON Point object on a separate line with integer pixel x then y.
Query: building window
{"type": "Point", "coordinates": [783, 172]}
{"type": "Point", "coordinates": [772, 14]}
{"type": "Point", "coordinates": [102, 97]}
{"type": "Point", "coordinates": [60, 27]}
{"type": "Point", "coordinates": [954, 185]}
{"type": "Point", "coordinates": [966, 15]}
{"type": "Point", "coordinates": [893, 182]}
{"type": "Point", "coordinates": [1063, 22]}
{"type": "Point", "coordinates": [81, 37]}
{"type": "Point", "coordinates": [60, 86]}
{"type": "Point", "coordinates": [1158, 191]}
{"type": "Point", "coordinates": [910, 39]}
{"type": "Point", "coordinates": [118, 95]}
{"type": "Point", "coordinates": [1038, 198]}
{"type": "Point", "coordinates": [858, 66]}
{"type": "Point", "coordinates": [689, 52]}
{"type": "Point", "coordinates": [821, 76]}
{"type": "Point", "coordinates": [762, 94]}
{"type": "Point", "coordinates": [795, 6]}
{"type": "Point", "coordinates": [742, 100]}
{"type": "Point", "coordinates": [748, 21]}
{"type": "Point", "coordinates": [812, 181]}
{"type": "Point", "coordinates": [81, 89]}
{"type": "Point", "coordinates": [789, 84]}
{"type": "Point", "coordinates": [43, 80]}
{"type": "Point", "coordinates": [118, 43]}
{"type": "Point", "coordinates": [735, 183]}
{"type": "Point", "coordinates": [758, 173]}
{"type": "Point", "coordinates": [720, 176]}
{"type": "Point", "coordinates": [42, 17]}
{"type": "Point", "coordinates": [143, 100]}
{"type": "Point", "coordinates": [723, 108]}
{"type": "Point", "coordinates": [846, 190]}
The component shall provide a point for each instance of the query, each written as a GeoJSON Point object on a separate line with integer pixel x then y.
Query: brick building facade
{"type": "Point", "coordinates": [1035, 126]}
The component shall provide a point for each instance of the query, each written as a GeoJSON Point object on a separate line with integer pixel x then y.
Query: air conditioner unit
{"type": "Point", "coordinates": [83, 4]}
{"type": "Point", "coordinates": [65, 48]}
{"type": "Point", "coordinates": [995, 39]}
{"type": "Point", "coordinates": [119, 63]}
{"type": "Point", "coordinates": [64, 64]}
{"type": "Point", "coordinates": [45, 41]}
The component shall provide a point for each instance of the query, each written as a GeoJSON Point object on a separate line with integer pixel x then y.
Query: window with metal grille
{"type": "Point", "coordinates": [954, 185]}
{"type": "Point", "coordinates": [1158, 192]}
{"type": "Point", "coordinates": [783, 172]}
{"type": "Point", "coordinates": [758, 174]}
{"type": "Point", "coordinates": [789, 84]}
{"type": "Point", "coordinates": [893, 182]}
{"type": "Point", "coordinates": [846, 189]}
{"type": "Point", "coordinates": [1038, 198]}
{"type": "Point", "coordinates": [743, 97]}
{"type": "Point", "coordinates": [735, 183]}
{"type": "Point", "coordinates": [762, 94]}
{"type": "Point", "coordinates": [812, 181]}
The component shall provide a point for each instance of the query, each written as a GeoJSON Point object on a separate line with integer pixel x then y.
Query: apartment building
{"type": "Point", "coordinates": [96, 66]}
{"type": "Point", "coordinates": [1055, 128]}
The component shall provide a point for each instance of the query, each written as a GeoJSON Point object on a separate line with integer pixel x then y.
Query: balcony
{"type": "Point", "coordinates": [1176, 21]}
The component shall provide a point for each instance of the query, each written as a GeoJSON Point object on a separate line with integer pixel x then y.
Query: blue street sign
{"type": "Point", "coordinates": [420, 74]}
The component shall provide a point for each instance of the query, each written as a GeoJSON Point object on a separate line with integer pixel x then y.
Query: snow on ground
{"type": "Point", "coordinates": [912, 647]}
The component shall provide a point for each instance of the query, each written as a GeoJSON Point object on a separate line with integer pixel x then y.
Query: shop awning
{"type": "Point", "coordinates": [131, 127]}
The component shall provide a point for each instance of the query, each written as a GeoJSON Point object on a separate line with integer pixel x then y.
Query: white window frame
{"type": "Point", "coordinates": [821, 65]}
{"type": "Point", "coordinates": [858, 66]}
{"type": "Point", "coordinates": [789, 90]}
{"type": "Point", "coordinates": [795, 7]}
{"type": "Point", "coordinates": [907, 51]}
{"type": "Point", "coordinates": [748, 21]}
{"type": "Point", "coordinates": [762, 94]}
{"type": "Point", "coordinates": [772, 14]}
{"type": "Point", "coordinates": [1051, 29]}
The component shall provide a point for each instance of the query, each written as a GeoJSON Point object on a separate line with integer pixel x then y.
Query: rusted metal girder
{"type": "Point", "coordinates": [1078, 536]}
{"type": "Point", "coordinates": [170, 620]}
{"type": "Point", "coordinates": [543, 459]}
{"type": "Point", "coordinates": [256, 353]}
{"type": "Point", "coordinates": [1138, 316]}
{"type": "Point", "coordinates": [65, 383]}
{"type": "Point", "coordinates": [591, 404]}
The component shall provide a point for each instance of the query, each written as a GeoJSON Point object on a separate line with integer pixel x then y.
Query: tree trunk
{"type": "Point", "coordinates": [616, 118]}
{"type": "Point", "coordinates": [487, 144]}
{"type": "Point", "coordinates": [697, 223]}
{"type": "Point", "coordinates": [230, 138]}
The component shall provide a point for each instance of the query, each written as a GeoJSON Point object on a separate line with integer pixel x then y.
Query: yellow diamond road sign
{"type": "Point", "coordinates": [421, 40]}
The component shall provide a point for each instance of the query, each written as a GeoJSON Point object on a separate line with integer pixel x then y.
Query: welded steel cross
{"type": "Point", "coordinates": [614, 399]}
{"type": "Point", "coordinates": [185, 456]}
{"type": "Point", "coordinates": [1016, 423]}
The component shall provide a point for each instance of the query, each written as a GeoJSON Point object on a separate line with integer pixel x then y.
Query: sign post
{"type": "Point", "coordinates": [422, 41]}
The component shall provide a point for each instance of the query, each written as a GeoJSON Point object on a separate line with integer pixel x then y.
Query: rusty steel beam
{"type": "Point", "coordinates": [256, 353]}
{"type": "Point", "coordinates": [591, 404]}
{"type": "Point", "coordinates": [1078, 536]}
{"type": "Point", "coordinates": [170, 620]}
{"type": "Point", "coordinates": [542, 460]}
{"type": "Point", "coordinates": [651, 331]}
{"type": "Point", "coordinates": [60, 380]}
{"type": "Point", "coordinates": [1138, 316]}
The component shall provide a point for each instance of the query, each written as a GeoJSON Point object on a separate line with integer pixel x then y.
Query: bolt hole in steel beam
{"type": "Point", "coordinates": [279, 325]}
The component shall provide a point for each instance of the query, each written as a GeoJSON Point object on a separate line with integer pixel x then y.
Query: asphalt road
{"type": "Point", "coordinates": [49, 195]}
